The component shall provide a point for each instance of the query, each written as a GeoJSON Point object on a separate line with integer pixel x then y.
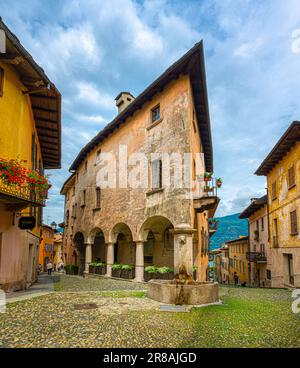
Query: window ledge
{"type": "Point", "coordinates": [153, 191]}
{"type": "Point", "coordinates": [294, 234]}
{"type": "Point", "coordinates": [96, 209]}
{"type": "Point", "coordinates": [292, 186]}
{"type": "Point", "coordinates": [154, 123]}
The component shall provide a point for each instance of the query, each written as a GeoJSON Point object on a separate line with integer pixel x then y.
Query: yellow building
{"type": "Point", "coordinates": [237, 253]}
{"type": "Point", "coordinates": [282, 169]}
{"type": "Point", "coordinates": [58, 251]}
{"type": "Point", "coordinates": [46, 250]}
{"type": "Point", "coordinates": [259, 255]}
{"type": "Point", "coordinates": [30, 129]}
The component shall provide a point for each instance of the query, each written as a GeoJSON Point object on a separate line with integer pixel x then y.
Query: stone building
{"type": "Point", "coordinates": [259, 255]}
{"type": "Point", "coordinates": [282, 170]}
{"type": "Point", "coordinates": [157, 223]}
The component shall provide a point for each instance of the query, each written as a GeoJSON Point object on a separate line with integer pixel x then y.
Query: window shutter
{"type": "Point", "coordinates": [294, 227]}
{"type": "Point", "coordinates": [156, 174]}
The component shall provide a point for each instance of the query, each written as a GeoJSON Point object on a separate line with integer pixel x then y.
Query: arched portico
{"type": "Point", "coordinates": [78, 242]}
{"type": "Point", "coordinates": [157, 236]}
{"type": "Point", "coordinates": [97, 241]}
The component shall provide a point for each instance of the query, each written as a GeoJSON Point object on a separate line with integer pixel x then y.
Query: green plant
{"type": "Point", "coordinates": [207, 175]}
{"type": "Point", "coordinates": [127, 267]}
{"type": "Point", "coordinates": [151, 269]}
{"type": "Point", "coordinates": [164, 270]}
{"type": "Point", "coordinates": [73, 267]}
{"type": "Point", "coordinates": [99, 264]}
{"type": "Point", "coordinates": [116, 266]}
{"type": "Point", "coordinates": [194, 268]}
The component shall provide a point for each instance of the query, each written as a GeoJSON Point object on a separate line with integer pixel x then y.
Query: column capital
{"type": "Point", "coordinates": [183, 229]}
{"type": "Point", "coordinates": [139, 241]}
{"type": "Point", "coordinates": [109, 243]}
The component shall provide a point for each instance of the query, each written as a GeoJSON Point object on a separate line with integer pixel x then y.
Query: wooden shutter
{"type": "Point", "coordinates": [274, 194]}
{"type": "Point", "coordinates": [294, 225]}
{"type": "Point", "coordinates": [291, 176]}
{"type": "Point", "coordinates": [156, 174]}
{"type": "Point", "coordinates": [98, 197]}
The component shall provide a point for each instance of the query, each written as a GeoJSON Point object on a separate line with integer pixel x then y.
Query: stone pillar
{"type": "Point", "coordinates": [139, 261]}
{"type": "Point", "coordinates": [109, 258]}
{"type": "Point", "coordinates": [183, 247]}
{"type": "Point", "coordinates": [88, 257]}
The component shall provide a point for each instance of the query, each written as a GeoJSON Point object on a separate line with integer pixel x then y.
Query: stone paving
{"type": "Point", "coordinates": [121, 315]}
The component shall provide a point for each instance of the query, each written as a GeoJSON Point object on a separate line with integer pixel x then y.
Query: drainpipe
{"type": "Point", "coordinates": [249, 264]}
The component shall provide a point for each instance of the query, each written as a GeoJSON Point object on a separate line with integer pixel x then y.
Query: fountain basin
{"type": "Point", "coordinates": [168, 292]}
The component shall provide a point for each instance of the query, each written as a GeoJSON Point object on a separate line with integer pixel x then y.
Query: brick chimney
{"type": "Point", "coordinates": [123, 100]}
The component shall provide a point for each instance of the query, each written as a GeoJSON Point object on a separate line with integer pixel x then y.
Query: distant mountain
{"type": "Point", "coordinates": [229, 228]}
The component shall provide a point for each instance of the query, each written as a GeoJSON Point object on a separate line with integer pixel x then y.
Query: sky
{"type": "Point", "coordinates": [93, 49]}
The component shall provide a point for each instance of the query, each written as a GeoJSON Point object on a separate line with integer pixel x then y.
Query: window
{"type": "Point", "coordinates": [291, 177]}
{"type": "Point", "coordinates": [294, 224]}
{"type": "Point", "coordinates": [1, 81]}
{"type": "Point", "coordinates": [73, 193]}
{"type": "Point", "coordinates": [269, 274]}
{"type": "Point", "coordinates": [262, 249]}
{"type": "Point", "coordinates": [155, 114]}
{"type": "Point", "coordinates": [98, 157]}
{"type": "Point", "coordinates": [67, 217]}
{"type": "Point", "coordinates": [157, 174]}
{"type": "Point", "coordinates": [148, 248]}
{"type": "Point", "coordinates": [85, 166]}
{"type": "Point", "coordinates": [274, 192]}
{"type": "Point", "coordinates": [98, 197]}
{"type": "Point", "coordinates": [262, 223]}
{"type": "Point", "coordinates": [83, 197]}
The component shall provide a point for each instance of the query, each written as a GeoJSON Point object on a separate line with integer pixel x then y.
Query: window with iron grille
{"type": "Point", "coordinates": [291, 176]}
{"type": "Point", "coordinates": [98, 197]}
{"type": "Point", "coordinates": [294, 224]}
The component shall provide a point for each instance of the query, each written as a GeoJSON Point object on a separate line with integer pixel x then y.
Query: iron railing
{"type": "Point", "coordinates": [205, 187]}
{"type": "Point", "coordinates": [256, 257]}
{"type": "Point", "coordinates": [24, 192]}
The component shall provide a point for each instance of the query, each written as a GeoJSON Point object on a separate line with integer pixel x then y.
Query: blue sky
{"type": "Point", "coordinates": [93, 49]}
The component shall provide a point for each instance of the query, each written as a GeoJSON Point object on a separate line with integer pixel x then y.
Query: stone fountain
{"type": "Point", "coordinates": [183, 289]}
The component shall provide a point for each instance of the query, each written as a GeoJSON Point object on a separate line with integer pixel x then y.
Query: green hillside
{"type": "Point", "coordinates": [230, 227]}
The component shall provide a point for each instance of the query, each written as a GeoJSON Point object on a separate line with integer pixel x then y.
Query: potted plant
{"type": "Point", "coordinates": [116, 270]}
{"type": "Point", "coordinates": [219, 182]}
{"type": "Point", "coordinates": [71, 269]}
{"type": "Point", "coordinates": [150, 273]}
{"type": "Point", "coordinates": [100, 268]}
{"type": "Point", "coordinates": [92, 267]}
{"type": "Point", "coordinates": [127, 272]}
{"type": "Point", "coordinates": [207, 176]}
{"type": "Point", "coordinates": [165, 273]}
{"type": "Point", "coordinates": [208, 189]}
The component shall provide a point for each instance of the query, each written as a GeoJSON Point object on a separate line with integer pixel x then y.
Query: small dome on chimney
{"type": "Point", "coordinates": [123, 100]}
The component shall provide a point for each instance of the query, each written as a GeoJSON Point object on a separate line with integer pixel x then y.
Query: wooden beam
{"type": "Point", "coordinates": [33, 91]}
{"type": "Point", "coordinates": [43, 109]}
{"type": "Point", "coordinates": [44, 97]}
{"type": "Point", "coordinates": [46, 119]}
{"type": "Point", "coordinates": [11, 59]}
{"type": "Point", "coordinates": [32, 82]}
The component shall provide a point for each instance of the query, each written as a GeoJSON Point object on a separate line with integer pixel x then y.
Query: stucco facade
{"type": "Point", "coordinates": [142, 226]}
{"type": "Point", "coordinates": [20, 140]}
{"type": "Point", "coordinates": [282, 169]}
{"type": "Point", "coordinates": [237, 259]}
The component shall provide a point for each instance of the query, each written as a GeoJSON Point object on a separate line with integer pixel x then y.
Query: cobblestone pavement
{"type": "Point", "coordinates": [77, 283]}
{"type": "Point", "coordinates": [127, 318]}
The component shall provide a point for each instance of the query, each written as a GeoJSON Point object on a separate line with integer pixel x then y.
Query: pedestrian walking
{"type": "Point", "coordinates": [49, 267]}
{"type": "Point", "coordinates": [236, 279]}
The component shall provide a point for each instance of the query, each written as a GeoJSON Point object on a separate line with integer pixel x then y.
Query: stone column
{"type": "Point", "coordinates": [183, 247]}
{"type": "Point", "coordinates": [88, 257]}
{"type": "Point", "coordinates": [109, 258]}
{"type": "Point", "coordinates": [139, 261]}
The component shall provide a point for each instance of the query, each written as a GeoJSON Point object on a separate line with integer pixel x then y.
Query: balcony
{"type": "Point", "coordinates": [205, 196]}
{"type": "Point", "coordinates": [21, 187]}
{"type": "Point", "coordinates": [256, 257]}
{"type": "Point", "coordinates": [16, 197]}
{"type": "Point", "coordinates": [212, 226]}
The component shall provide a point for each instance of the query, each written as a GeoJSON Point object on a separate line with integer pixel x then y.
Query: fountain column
{"type": "Point", "coordinates": [183, 247]}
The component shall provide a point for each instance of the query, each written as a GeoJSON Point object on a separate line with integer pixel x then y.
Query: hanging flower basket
{"type": "Point", "coordinates": [207, 176]}
{"type": "Point", "coordinates": [219, 182]}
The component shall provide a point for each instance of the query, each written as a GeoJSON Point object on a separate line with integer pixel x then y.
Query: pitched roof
{"type": "Point", "coordinates": [191, 63]}
{"type": "Point", "coordinates": [229, 242]}
{"type": "Point", "coordinates": [282, 147]}
{"type": "Point", "coordinates": [255, 205]}
{"type": "Point", "coordinates": [44, 96]}
{"type": "Point", "coordinates": [68, 184]}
